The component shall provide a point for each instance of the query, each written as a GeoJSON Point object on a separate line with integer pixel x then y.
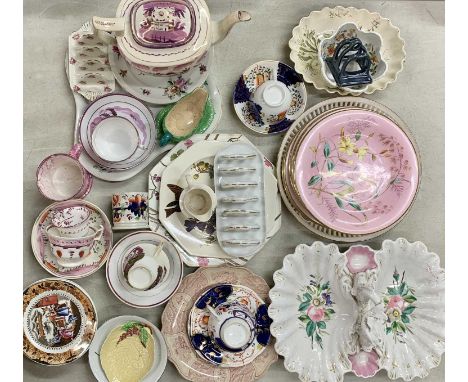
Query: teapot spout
{"type": "Point", "coordinates": [222, 28]}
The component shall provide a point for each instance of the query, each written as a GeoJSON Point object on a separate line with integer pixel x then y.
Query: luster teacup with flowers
{"type": "Point", "coordinates": [72, 251]}
{"type": "Point", "coordinates": [130, 210]}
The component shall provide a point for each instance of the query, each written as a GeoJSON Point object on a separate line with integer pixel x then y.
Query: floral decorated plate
{"type": "Point", "coordinates": [59, 322]}
{"type": "Point", "coordinates": [302, 126]}
{"type": "Point", "coordinates": [160, 349]}
{"type": "Point", "coordinates": [154, 89]}
{"type": "Point", "coordinates": [314, 313]}
{"type": "Point", "coordinates": [359, 165]}
{"type": "Point", "coordinates": [99, 252]}
{"type": "Point", "coordinates": [319, 25]}
{"type": "Point", "coordinates": [401, 289]}
{"type": "Point", "coordinates": [198, 324]}
{"type": "Point", "coordinates": [175, 319]}
{"type": "Point", "coordinates": [251, 79]}
{"type": "Point", "coordinates": [125, 108]}
{"type": "Point", "coordinates": [197, 162]}
{"type": "Point", "coordinates": [141, 243]}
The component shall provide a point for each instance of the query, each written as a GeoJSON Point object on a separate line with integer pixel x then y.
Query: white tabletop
{"type": "Point", "coordinates": [417, 96]}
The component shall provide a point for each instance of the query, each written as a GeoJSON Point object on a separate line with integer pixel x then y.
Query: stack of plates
{"type": "Point", "coordinates": [349, 169]}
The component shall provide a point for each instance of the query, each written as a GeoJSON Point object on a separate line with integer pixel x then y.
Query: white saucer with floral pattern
{"type": "Point", "coordinates": [158, 90]}
{"type": "Point", "coordinates": [261, 73]}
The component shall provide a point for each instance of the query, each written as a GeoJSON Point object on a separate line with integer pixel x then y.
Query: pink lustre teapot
{"type": "Point", "coordinates": [164, 37]}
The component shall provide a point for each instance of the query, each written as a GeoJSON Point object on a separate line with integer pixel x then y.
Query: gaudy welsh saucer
{"type": "Point", "coordinates": [253, 80]}
{"type": "Point", "coordinates": [59, 322]}
{"type": "Point", "coordinates": [176, 315]}
{"type": "Point", "coordinates": [202, 338]}
{"type": "Point", "coordinates": [100, 250]}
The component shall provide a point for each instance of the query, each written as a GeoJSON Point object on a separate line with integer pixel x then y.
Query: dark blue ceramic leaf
{"type": "Point", "coordinates": [288, 75]}
{"type": "Point", "coordinates": [263, 336]}
{"type": "Point", "coordinates": [280, 126]}
{"type": "Point", "coordinates": [215, 296]}
{"type": "Point", "coordinates": [255, 111]}
{"type": "Point", "coordinates": [207, 348]}
{"type": "Point", "coordinates": [241, 92]}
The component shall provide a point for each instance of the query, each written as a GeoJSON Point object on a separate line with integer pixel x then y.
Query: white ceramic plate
{"type": "Point", "coordinates": [314, 313]}
{"type": "Point", "coordinates": [159, 90]}
{"type": "Point", "coordinates": [197, 162]}
{"type": "Point", "coordinates": [99, 253]}
{"type": "Point", "coordinates": [160, 349]}
{"type": "Point", "coordinates": [160, 293]}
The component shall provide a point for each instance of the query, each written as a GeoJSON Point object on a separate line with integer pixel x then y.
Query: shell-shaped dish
{"type": "Point", "coordinates": [318, 25]}
{"type": "Point", "coordinates": [407, 325]}
{"type": "Point", "coordinates": [313, 313]}
{"type": "Point", "coordinates": [372, 42]}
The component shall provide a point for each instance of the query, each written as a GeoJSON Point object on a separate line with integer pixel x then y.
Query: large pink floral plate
{"type": "Point", "coordinates": [99, 252]}
{"type": "Point", "coordinates": [357, 172]}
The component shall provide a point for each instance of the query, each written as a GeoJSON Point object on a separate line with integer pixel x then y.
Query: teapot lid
{"type": "Point", "coordinates": [163, 24]}
{"type": "Point", "coordinates": [164, 32]}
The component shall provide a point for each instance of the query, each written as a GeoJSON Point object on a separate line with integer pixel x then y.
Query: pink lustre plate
{"type": "Point", "coordinates": [357, 172]}
{"type": "Point", "coordinates": [99, 252]}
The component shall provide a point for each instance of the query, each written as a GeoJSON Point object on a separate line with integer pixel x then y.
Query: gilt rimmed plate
{"type": "Point", "coordinates": [198, 324]}
{"type": "Point", "coordinates": [143, 242]}
{"type": "Point", "coordinates": [318, 25]}
{"type": "Point", "coordinates": [59, 322]}
{"type": "Point", "coordinates": [160, 349]}
{"type": "Point", "coordinates": [174, 326]}
{"type": "Point", "coordinates": [314, 313]}
{"type": "Point", "coordinates": [119, 106]}
{"type": "Point", "coordinates": [197, 162]}
{"type": "Point", "coordinates": [362, 166]}
{"type": "Point", "coordinates": [154, 89]}
{"type": "Point", "coordinates": [251, 79]}
{"type": "Point", "coordinates": [302, 124]}
{"type": "Point", "coordinates": [99, 252]}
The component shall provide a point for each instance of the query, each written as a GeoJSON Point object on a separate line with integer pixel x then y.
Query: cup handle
{"type": "Point", "coordinates": [99, 232]}
{"type": "Point", "coordinates": [105, 25]}
{"type": "Point", "coordinates": [76, 150]}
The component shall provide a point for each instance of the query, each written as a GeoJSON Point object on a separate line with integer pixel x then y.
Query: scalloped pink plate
{"type": "Point", "coordinates": [357, 172]}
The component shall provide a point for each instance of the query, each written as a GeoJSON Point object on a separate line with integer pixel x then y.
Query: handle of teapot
{"type": "Point", "coordinates": [106, 25]}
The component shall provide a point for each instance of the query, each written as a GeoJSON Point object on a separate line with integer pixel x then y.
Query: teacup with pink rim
{"type": "Point", "coordinates": [71, 221]}
{"type": "Point", "coordinates": [62, 177]}
{"type": "Point", "coordinates": [72, 252]}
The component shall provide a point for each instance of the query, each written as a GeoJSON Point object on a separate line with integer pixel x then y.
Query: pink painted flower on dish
{"type": "Point", "coordinates": [365, 364]}
{"type": "Point", "coordinates": [202, 261]}
{"type": "Point", "coordinates": [315, 314]}
{"type": "Point", "coordinates": [188, 143]}
{"type": "Point", "coordinates": [396, 302]}
{"type": "Point", "coordinates": [360, 259]}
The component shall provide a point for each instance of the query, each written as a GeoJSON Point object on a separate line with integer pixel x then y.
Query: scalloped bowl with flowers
{"type": "Point", "coordinates": [372, 41]}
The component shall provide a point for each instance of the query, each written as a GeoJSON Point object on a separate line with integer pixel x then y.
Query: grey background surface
{"type": "Point", "coordinates": [49, 114]}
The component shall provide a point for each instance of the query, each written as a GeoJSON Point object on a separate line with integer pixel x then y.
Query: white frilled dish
{"type": "Point", "coordinates": [361, 311]}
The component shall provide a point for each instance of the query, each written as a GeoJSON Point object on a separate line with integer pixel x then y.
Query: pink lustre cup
{"type": "Point", "coordinates": [62, 177]}
{"type": "Point", "coordinates": [69, 251]}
